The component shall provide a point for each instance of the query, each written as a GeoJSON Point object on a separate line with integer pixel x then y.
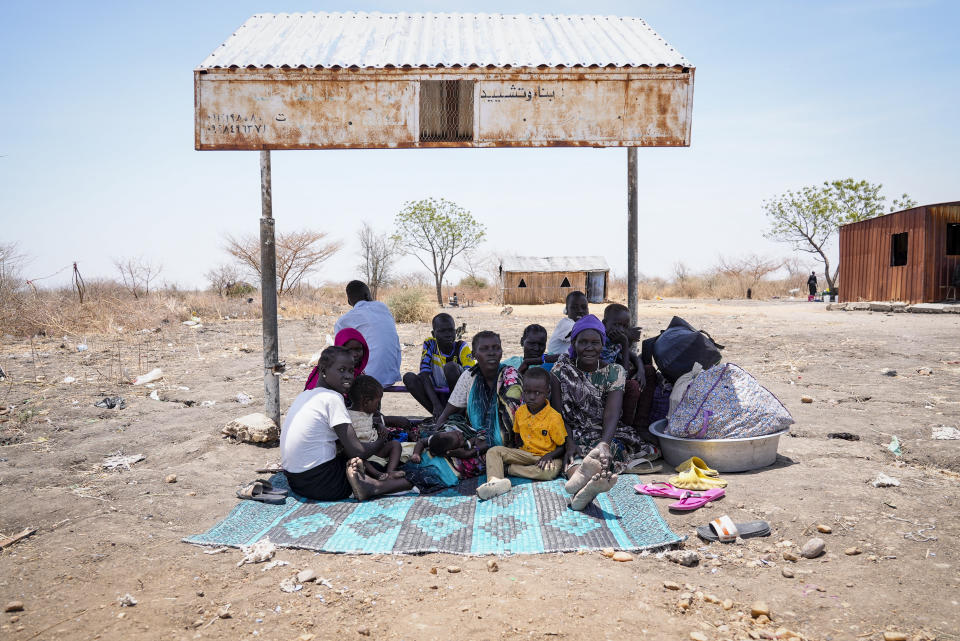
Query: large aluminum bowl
{"type": "Point", "coordinates": [722, 454]}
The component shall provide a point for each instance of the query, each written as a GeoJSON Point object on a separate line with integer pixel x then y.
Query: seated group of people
{"type": "Point", "coordinates": [575, 405]}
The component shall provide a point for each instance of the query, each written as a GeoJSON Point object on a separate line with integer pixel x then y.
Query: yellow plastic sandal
{"type": "Point", "coordinates": [696, 461]}
{"type": "Point", "coordinates": [693, 478]}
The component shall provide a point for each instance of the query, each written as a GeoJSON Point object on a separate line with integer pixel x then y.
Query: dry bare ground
{"type": "Point", "coordinates": [103, 534]}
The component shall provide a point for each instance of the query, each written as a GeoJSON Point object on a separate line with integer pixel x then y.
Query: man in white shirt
{"type": "Point", "coordinates": [374, 320]}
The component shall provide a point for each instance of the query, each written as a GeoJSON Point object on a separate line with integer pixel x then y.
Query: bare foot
{"type": "Point", "coordinates": [592, 464]}
{"type": "Point", "coordinates": [493, 488]}
{"type": "Point", "coordinates": [362, 488]}
{"type": "Point", "coordinates": [599, 484]}
{"type": "Point", "coordinates": [396, 474]}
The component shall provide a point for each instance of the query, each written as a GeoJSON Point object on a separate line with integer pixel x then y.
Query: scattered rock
{"type": "Point", "coordinates": [763, 619]}
{"type": "Point", "coordinates": [790, 556]}
{"type": "Point", "coordinates": [711, 598]}
{"type": "Point", "coordinates": [433, 570]}
{"type": "Point", "coordinates": [806, 399]}
{"type": "Point", "coordinates": [492, 566]}
{"type": "Point", "coordinates": [305, 576]}
{"type": "Point", "coordinates": [683, 605]}
{"type": "Point", "coordinates": [170, 478]}
{"type": "Point", "coordinates": [852, 551]}
{"type": "Point", "coordinates": [622, 557]}
{"type": "Point", "coordinates": [364, 632]}
{"type": "Point", "coordinates": [759, 608]}
{"type": "Point", "coordinates": [686, 558]}
{"type": "Point", "coordinates": [890, 635]}
{"type": "Point", "coordinates": [922, 371]}
{"type": "Point", "coordinates": [191, 493]}
{"type": "Point", "coordinates": [262, 550]}
{"type": "Point", "coordinates": [813, 548]}
{"type": "Point", "coordinates": [151, 376]}
{"type": "Point", "coordinates": [453, 569]}
{"type": "Point", "coordinates": [787, 573]}
{"type": "Point", "coordinates": [127, 601]}
{"type": "Point", "coordinates": [886, 371]}
{"type": "Point", "coordinates": [883, 480]}
{"type": "Point", "coordinates": [14, 618]}
{"type": "Point", "coordinates": [17, 606]}
{"type": "Point", "coordinates": [224, 612]}
{"type": "Point", "coordinates": [253, 428]}
{"type": "Point", "coordinates": [289, 585]}
{"type": "Point", "coordinates": [670, 585]}
{"type": "Point", "coordinates": [727, 604]}
{"type": "Point", "coordinates": [696, 635]}
{"type": "Point", "coordinates": [306, 636]}
{"type": "Point", "coordinates": [607, 552]}
{"type": "Point", "coordinates": [824, 529]}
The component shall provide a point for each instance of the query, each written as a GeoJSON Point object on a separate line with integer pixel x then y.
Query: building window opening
{"type": "Point", "coordinates": [898, 249]}
{"type": "Point", "coordinates": [953, 239]}
{"type": "Point", "coordinates": [522, 284]}
{"type": "Point", "coordinates": [446, 110]}
{"type": "Point", "coordinates": [565, 283]}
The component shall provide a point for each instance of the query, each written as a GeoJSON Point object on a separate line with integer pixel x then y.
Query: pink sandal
{"type": "Point", "coordinates": [661, 489]}
{"type": "Point", "coordinates": [687, 500]}
{"type": "Point", "coordinates": [693, 500]}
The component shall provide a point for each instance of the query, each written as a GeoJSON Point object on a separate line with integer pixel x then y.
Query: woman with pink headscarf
{"type": "Point", "coordinates": [352, 341]}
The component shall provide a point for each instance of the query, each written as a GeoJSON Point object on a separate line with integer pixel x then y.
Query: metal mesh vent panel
{"type": "Point", "coordinates": [446, 110]}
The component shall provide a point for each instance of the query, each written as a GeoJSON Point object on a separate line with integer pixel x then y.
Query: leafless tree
{"type": "Point", "coordinates": [12, 261]}
{"type": "Point", "coordinates": [681, 276]}
{"type": "Point", "coordinates": [378, 253]}
{"type": "Point", "coordinates": [221, 277]}
{"type": "Point", "coordinates": [299, 253]}
{"type": "Point", "coordinates": [137, 273]}
{"type": "Point", "coordinates": [748, 270]}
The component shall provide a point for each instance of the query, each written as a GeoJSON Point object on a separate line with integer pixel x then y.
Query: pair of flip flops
{"type": "Point", "coordinates": [262, 491]}
{"type": "Point", "coordinates": [687, 499]}
{"type": "Point", "coordinates": [723, 529]}
{"type": "Point", "coordinates": [695, 474]}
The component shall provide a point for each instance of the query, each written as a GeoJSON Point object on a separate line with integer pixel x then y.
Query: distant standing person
{"type": "Point", "coordinates": [374, 320]}
{"type": "Point", "coordinates": [812, 283]}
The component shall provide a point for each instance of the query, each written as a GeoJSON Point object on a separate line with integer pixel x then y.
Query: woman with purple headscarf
{"type": "Point", "coordinates": [591, 399]}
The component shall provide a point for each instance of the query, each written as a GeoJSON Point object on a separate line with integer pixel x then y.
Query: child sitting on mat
{"type": "Point", "coordinates": [365, 396]}
{"type": "Point", "coordinates": [534, 343]}
{"type": "Point", "coordinates": [442, 361]}
{"type": "Point", "coordinates": [543, 433]}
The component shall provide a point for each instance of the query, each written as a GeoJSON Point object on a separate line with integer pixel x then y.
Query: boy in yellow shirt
{"type": "Point", "coordinates": [543, 434]}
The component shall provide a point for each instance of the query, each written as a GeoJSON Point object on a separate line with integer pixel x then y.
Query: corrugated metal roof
{"type": "Point", "coordinates": [442, 40]}
{"type": "Point", "coordinates": [554, 264]}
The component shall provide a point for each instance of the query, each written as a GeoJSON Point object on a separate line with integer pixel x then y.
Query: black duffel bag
{"type": "Point", "coordinates": [679, 346]}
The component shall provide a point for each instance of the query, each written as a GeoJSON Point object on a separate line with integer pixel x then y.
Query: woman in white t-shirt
{"type": "Point", "coordinates": [316, 423]}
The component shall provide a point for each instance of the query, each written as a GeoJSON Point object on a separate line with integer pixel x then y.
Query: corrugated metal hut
{"type": "Point", "coordinates": [529, 280]}
{"type": "Point", "coordinates": [910, 256]}
{"type": "Point", "coordinates": [374, 80]}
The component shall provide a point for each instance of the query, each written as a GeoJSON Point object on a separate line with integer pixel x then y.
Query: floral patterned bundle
{"type": "Point", "coordinates": [727, 402]}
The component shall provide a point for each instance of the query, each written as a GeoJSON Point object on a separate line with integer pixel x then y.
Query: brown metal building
{"type": "Point", "coordinates": [529, 280]}
{"type": "Point", "coordinates": [912, 256]}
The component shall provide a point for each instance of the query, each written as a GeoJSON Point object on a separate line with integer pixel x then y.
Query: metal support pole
{"type": "Point", "coordinates": [632, 252]}
{"type": "Point", "coordinates": [268, 293]}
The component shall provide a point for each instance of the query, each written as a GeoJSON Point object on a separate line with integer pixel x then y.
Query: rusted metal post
{"type": "Point", "coordinates": [268, 293]}
{"type": "Point", "coordinates": [632, 252]}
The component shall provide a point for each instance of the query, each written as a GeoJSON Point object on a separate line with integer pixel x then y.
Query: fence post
{"type": "Point", "coordinates": [268, 293]}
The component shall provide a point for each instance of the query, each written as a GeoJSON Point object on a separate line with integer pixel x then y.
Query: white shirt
{"type": "Point", "coordinates": [374, 320]}
{"type": "Point", "coordinates": [460, 394]}
{"type": "Point", "coordinates": [559, 343]}
{"type": "Point", "coordinates": [307, 438]}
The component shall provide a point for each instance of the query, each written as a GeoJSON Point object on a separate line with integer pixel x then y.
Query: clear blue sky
{"type": "Point", "coordinates": [97, 158]}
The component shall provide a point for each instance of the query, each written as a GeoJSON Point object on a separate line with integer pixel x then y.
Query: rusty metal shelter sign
{"type": "Point", "coordinates": [356, 81]}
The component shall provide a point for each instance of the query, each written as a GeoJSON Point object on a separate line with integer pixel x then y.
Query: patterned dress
{"type": "Point", "coordinates": [583, 397]}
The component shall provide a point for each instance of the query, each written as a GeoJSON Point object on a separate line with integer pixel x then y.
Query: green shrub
{"type": "Point", "coordinates": [472, 282]}
{"type": "Point", "coordinates": [410, 307]}
{"type": "Point", "coordinates": [240, 289]}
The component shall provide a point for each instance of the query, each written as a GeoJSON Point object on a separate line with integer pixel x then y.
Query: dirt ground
{"type": "Point", "coordinates": [103, 534]}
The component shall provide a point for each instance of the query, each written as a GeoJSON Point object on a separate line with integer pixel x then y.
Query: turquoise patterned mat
{"type": "Point", "coordinates": [531, 518]}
